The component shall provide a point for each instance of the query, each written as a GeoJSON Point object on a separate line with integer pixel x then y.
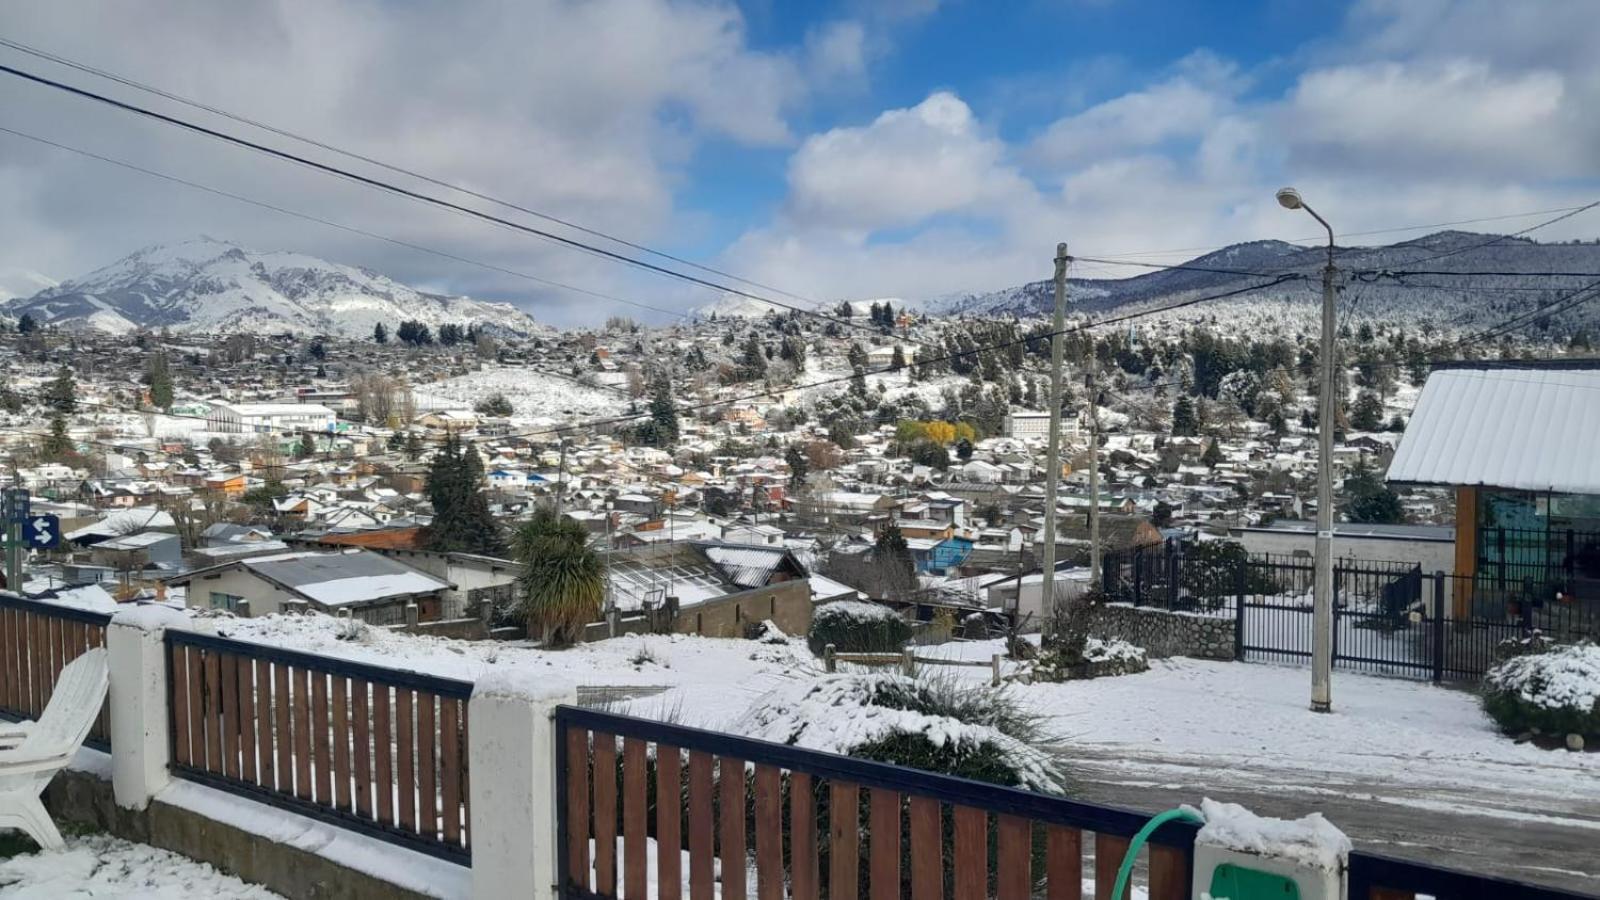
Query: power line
{"type": "Point", "coordinates": [1500, 237]}
{"type": "Point", "coordinates": [282, 132]}
{"type": "Point", "coordinates": [443, 254]}
{"type": "Point", "coordinates": [1571, 301]}
{"type": "Point", "coordinates": [420, 197]}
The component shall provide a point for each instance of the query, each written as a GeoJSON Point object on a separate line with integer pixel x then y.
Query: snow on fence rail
{"type": "Point", "coordinates": [377, 750]}
{"type": "Point", "coordinates": [908, 661]}
{"type": "Point", "coordinates": [36, 641]}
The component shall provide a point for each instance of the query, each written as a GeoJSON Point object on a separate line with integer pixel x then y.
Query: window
{"type": "Point", "coordinates": [229, 602]}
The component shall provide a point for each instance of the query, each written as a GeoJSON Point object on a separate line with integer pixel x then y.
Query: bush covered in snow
{"type": "Point", "coordinates": [1553, 693]}
{"type": "Point", "coordinates": [939, 725]}
{"type": "Point", "coordinates": [852, 626]}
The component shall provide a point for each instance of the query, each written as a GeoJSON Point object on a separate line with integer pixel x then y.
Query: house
{"type": "Point", "coordinates": [1517, 443]}
{"type": "Point", "coordinates": [449, 420]}
{"type": "Point", "coordinates": [134, 553]}
{"type": "Point", "coordinates": [1023, 423]}
{"type": "Point", "coordinates": [883, 357]}
{"type": "Point", "coordinates": [375, 588]}
{"type": "Point", "coordinates": [708, 588]}
{"type": "Point", "coordinates": [1430, 546]}
{"type": "Point", "coordinates": [764, 535]}
{"type": "Point", "coordinates": [267, 418]}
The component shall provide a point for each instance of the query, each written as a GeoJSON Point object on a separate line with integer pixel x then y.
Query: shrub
{"type": "Point", "coordinates": [852, 626]}
{"type": "Point", "coordinates": [1556, 692]}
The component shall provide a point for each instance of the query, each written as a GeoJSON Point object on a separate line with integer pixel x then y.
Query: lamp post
{"type": "Point", "coordinates": [1322, 588]}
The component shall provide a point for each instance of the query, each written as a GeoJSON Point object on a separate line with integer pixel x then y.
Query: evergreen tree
{"type": "Point", "coordinates": [1185, 423]}
{"type": "Point", "coordinates": [61, 394]}
{"type": "Point", "coordinates": [380, 334]}
{"type": "Point", "coordinates": [1367, 413]}
{"type": "Point", "coordinates": [1369, 499]}
{"type": "Point", "coordinates": [306, 446]}
{"type": "Point", "coordinates": [898, 568]}
{"type": "Point", "coordinates": [27, 324]}
{"type": "Point", "coordinates": [1161, 516]}
{"type": "Point", "coordinates": [1213, 454]}
{"type": "Point", "coordinates": [856, 356]}
{"type": "Point", "coordinates": [160, 377]}
{"type": "Point", "coordinates": [413, 446]}
{"type": "Point", "coordinates": [899, 361]}
{"type": "Point", "coordinates": [754, 357]}
{"type": "Point", "coordinates": [663, 410]}
{"type": "Point", "coordinates": [57, 445]}
{"type": "Point", "coordinates": [319, 350]}
{"type": "Point", "coordinates": [461, 522]}
{"type": "Point", "coordinates": [495, 405]}
{"type": "Point", "coordinates": [396, 441]}
{"type": "Point", "coordinates": [799, 466]}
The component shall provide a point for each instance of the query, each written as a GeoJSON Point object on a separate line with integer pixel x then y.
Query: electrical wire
{"type": "Point", "coordinates": [419, 197]}
{"type": "Point", "coordinates": [323, 145]}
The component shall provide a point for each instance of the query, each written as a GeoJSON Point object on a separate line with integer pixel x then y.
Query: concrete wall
{"type": "Point", "coordinates": [1433, 556]}
{"type": "Point", "coordinates": [265, 597]}
{"type": "Point", "coordinates": [86, 799]}
{"type": "Point", "coordinates": [1162, 633]}
{"type": "Point", "coordinates": [788, 604]}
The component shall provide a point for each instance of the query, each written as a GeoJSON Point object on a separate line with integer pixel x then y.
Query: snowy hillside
{"type": "Point", "coordinates": [212, 286]}
{"type": "Point", "coordinates": [533, 395]}
{"type": "Point", "coordinates": [1447, 301]}
{"type": "Point", "coordinates": [733, 306]}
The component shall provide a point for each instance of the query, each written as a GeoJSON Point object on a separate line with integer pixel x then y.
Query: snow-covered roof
{"type": "Point", "coordinates": [1527, 428]}
{"type": "Point", "coordinates": [340, 578]}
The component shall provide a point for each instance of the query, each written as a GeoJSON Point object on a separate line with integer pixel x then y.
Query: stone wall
{"type": "Point", "coordinates": [1162, 633]}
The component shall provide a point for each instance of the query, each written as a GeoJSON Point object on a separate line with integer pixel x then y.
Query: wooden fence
{"type": "Point", "coordinates": [820, 824]}
{"type": "Point", "coordinates": [36, 641]}
{"type": "Point", "coordinates": [907, 661]}
{"type": "Point", "coordinates": [378, 750]}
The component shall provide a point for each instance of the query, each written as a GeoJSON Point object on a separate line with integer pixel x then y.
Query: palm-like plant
{"type": "Point", "coordinates": [563, 581]}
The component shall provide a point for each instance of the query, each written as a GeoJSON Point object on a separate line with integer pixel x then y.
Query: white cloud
{"type": "Point", "coordinates": [906, 166]}
{"type": "Point", "coordinates": [837, 52]}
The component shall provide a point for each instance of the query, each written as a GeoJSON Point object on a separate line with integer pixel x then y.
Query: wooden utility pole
{"type": "Point", "coordinates": [1094, 483]}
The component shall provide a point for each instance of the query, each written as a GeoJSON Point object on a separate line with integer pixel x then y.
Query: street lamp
{"type": "Point", "coordinates": [1322, 588]}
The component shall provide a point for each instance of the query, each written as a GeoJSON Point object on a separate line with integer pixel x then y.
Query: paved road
{"type": "Point", "coordinates": [1550, 840]}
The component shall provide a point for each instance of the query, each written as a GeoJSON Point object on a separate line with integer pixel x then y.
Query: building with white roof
{"type": "Point", "coordinates": [266, 418]}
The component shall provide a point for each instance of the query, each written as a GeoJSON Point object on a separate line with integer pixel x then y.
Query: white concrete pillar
{"type": "Point", "coordinates": [512, 753]}
{"type": "Point", "coordinates": [140, 745]}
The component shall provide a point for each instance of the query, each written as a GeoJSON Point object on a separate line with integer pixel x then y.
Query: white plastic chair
{"type": "Point", "coordinates": [33, 752]}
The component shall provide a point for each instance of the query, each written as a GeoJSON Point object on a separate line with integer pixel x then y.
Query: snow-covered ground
{"type": "Point", "coordinates": [102, 866]}
{"type": "Point", "coordinates": [533, 395]}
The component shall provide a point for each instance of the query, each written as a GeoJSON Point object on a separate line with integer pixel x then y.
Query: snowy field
{"type": "Point", "coordinates": [533, 395]}
{"type": "Point", "coordinates": [102, 866]}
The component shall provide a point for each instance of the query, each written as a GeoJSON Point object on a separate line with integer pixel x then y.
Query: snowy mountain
{"type": "Point", "coordinates": [212, 286]}
{"type": "Point", "coordinates": [1379, 292]}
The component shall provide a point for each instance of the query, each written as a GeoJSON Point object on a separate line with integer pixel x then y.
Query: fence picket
{"type": "Point", "coordinates": [635, 800]}
{"type": "Point", "coordinates": [927, 849]}
{"type": "Point", "coordinates": [731, 811]}
{"type": "Point", "coordinates": [1013, 858]}
{"type": "Point", "coordinates": [769, 833]}
{"type": "Point", "coordinates": [669, 822]}
{"type": "Point", "coordinates": [1108, 853]}
{"type": "Point", "coordinates": [228, 666]}
{"type": "Point", "coordinates": [605, 814]}
{"type": "Point", "coordinates": [1169, 873]}
{"type": "Point", "coordinates": [804, 876]}
{"type": "Point", "coordinates": [702, 827]}
{"type": "Point", "coordinates": [1064, 863]}
{"type": "Point", "coordinates": [844, 840]}
{"type": "Point", "coordinates": [341, 741]}
{"type": "Point", "coordinates": [883, 825]}
{"type": "Point", "coordinates": [971, 856]}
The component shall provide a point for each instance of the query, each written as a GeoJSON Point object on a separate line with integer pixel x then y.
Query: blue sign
{"type": "Point", "coordinates": [42, 532]}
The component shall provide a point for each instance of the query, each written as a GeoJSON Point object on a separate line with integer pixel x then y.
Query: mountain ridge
{"type": "Point", "coordinates": [215, 286]}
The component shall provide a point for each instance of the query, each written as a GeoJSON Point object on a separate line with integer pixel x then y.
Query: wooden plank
{"type": "Point", "coordinates": [735, 845]}
{"type": "Point", "coordinates": [1169, 873]}
{"type": "Point", "coordinates": [883, 823]}
{"type": "Point", "coordinates": [1380, 893]}
{"type": "Point", "coordinates": [1108, 852]}
{"type": "Point", "coordinates": [466, 775]}
{"type": "Point", "coordinates": [179, 675]}
{"type": "Point", "coordinates": [39, 652]}
{"type": "Point", "coordinates": [669, 822]}
{"type": "Point", "coordinates": [844, 840]}
{"type": "Point", "coordinates": [302, 732]}
{"type": "Point", "coordinates": [339, 702]}
{"type": "Point", "coordinates": [450, 767]}
{"type": "Point", "coordinates": [261, 696]}
{"type": "Point", "coordinates": [213, 712]}
{"type": "Point", "coordinates": [635, 823]}
{"type": "Point", "coordinates": [578, 807]}
{"type": "Point", "coordinates": [248, 741]}
{"type": "Point", "coordinates": [321, 751]}
{"type": "Point", "coordinates": [804, 880]}
{"type": "Point", "coordinates": [702, 828]}
{"type": "Point", "coordinates": [228, 665]}
{"type": "Point", "coordinates": [605, 814]}
{"type": "Point", "coordinates": [363, 747]}
{"type": "Point", "coordinates": [427, 767]}
{"type": "Point", "coordinates": [971, 853]}
{"type": "Point", "coordinates": [769, 833]}
{"type": "Point", "coordinates": [927, 850]}
{"type": "Point", "coordinates": [1064, 863]}
{"type": "Point", "coordinates": [8, 658]}
{"type": "Point", "coordinates": [1012, 868]}
{"type": "Point", "coordinates": [283, 737]}
{"type": "Point", "coordinates": [405, 758]}
{"type": "Point", "coordinates": [383, 752]}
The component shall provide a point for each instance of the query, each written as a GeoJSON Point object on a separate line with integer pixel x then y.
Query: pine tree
{"type": "Point", "coordinates": [380, 334]}
{"type": "Point", "coordinates": [1213, 454]}
{"type": "Point", "coordinates": [1185, 423]}
{"type": "Point", "coordinates": [1367, 413]}
{"type": "Point", "coordinates": [160, 375]}
{"type": "Point", "coordinates": [1369, 499]}
{"type": "Point", "coordinates": [896, 566]}
{"type": "Point", "coordinates": [754, 358]}
{"type": "Point", "coordinates": [663, 410]}
{"type": "Point", "coordinates": [396, 441]}
{"type": "Point", "coordinates": [61, 394]}
{"type": "Point", "coordinates": [306, 446]}
{"type": "Point", "coordinates": [57, 445]}
{"type": "Point", "coordinates": [799, 466]}
{"type": "Point", "coordinates": [899, 360]}
{"type": "Point", "coordinates": [27, 324]}
{"type": "Point", "coordinates": [461, 522]}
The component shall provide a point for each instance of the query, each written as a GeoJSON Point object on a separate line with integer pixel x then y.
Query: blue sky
{"type": "Point", "coordinates": [836, 149]}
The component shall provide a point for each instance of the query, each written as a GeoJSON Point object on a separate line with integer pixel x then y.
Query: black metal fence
{"type": "Point", "coordinates": [1389, 618]}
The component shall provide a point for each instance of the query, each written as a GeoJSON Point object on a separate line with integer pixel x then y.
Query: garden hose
{"type": "Point", "coordinates": [1143, 834]}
